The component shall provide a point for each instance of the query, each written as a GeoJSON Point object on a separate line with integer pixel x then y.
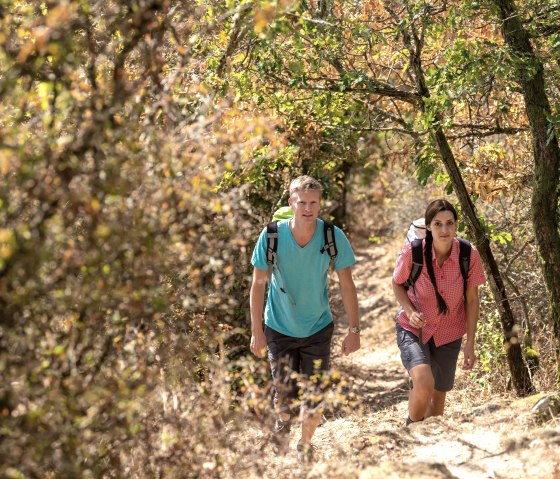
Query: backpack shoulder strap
{"type": "Point", "coordinates": [417, 262]}
{"type": "Point", "coordinates": [330, 243]}
{"type": "Point", "coordinates": [271, 241]}
{"type": "Point", "coordinates": [464, 261]}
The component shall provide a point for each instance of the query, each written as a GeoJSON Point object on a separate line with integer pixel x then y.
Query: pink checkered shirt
{"type": "Point", "coordinates": [444, 328]}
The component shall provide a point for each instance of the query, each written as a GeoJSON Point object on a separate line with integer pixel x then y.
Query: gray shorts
{"type": "Point", "coordinates": [442, 359]}
{"type": "Point", "coordinates": [306, 356]}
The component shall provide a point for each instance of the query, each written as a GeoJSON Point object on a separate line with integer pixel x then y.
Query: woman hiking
{"type": "Point", "coordinates": [436, 312]}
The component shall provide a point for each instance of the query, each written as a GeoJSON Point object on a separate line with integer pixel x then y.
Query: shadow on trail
{"type": "Point", "coordinates": [377, 388]}
{"type": "Point", "coordinates": [385, 399]}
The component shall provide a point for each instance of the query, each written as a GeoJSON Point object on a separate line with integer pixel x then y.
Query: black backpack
{"type": "Point", "coordinates": [272, 246]}
{"type": "Point", "coordinates": [272, 241]}
{"type": "Point", "coordinates": [418, 261]}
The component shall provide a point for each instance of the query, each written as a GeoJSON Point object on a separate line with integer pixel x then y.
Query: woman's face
{"type": "Point", "coordinates": [443, 227]}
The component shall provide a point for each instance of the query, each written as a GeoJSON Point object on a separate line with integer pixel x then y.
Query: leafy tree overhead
{"type": "Point", "coordinates": [412, 69]}
{"type": "Point", "coordinates": [143, 146]}
{"type": "Point", "coordinates": [122, 271]}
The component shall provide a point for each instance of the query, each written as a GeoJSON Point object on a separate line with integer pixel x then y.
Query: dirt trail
{"type": "Point", "coordinates": [493, 437]}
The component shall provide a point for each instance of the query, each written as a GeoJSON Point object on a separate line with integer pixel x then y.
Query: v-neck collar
{"type": "Point", "coordinates": [310, 240]}
{"type": "Point", "coordinates": [452, 256]}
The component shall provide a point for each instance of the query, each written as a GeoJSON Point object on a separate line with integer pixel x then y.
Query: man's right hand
{"type": "Point", "coordinates": [258, 344]}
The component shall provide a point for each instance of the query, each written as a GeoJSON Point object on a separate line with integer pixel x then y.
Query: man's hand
{"type": "Point", "coordinates": [351, 343]}
{"type": "Point", "coordinates": [258, 344]}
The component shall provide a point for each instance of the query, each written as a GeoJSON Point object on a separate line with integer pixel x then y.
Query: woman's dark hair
{"type": "Point", "coordinates": [435, 207]}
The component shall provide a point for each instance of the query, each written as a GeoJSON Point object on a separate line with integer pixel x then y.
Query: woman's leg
{"type": "Point", "coordinates": [444, 364]}
{"type": "Point", "coordinates": [437, 403]}
{"type": "Point", "coordinates": [422, 391]}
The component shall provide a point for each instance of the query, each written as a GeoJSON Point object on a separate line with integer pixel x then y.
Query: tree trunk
{"type": "Point", "coordinates": [339, 213]}
{"type": "Point", "coordinates": [519, 371]}
{"type": "Point", "coordinates": [546, 156]}
{"type": "Point", "coordinates": [520, 374]}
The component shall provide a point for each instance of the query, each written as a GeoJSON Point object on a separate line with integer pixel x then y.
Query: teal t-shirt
{"type": "Point", "coordinates": [304, 308]}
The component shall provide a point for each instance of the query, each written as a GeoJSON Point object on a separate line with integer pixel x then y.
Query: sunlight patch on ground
{"type": "Point", "coordinates": [379, 356]}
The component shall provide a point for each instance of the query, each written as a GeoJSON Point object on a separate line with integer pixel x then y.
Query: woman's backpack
{"type": "Point", "coordinates": [416, 232]}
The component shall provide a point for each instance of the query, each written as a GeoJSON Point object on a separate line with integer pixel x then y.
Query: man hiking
{"type": "Point", "coordinates": [298, 321]}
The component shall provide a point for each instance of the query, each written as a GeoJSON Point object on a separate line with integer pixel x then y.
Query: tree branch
{"type": "Point", "coordinates": [372, 86]}
{"type": "Point", "coordinates": [481, 131]}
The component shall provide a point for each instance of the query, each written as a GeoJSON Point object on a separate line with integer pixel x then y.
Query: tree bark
{"type": "Point", "coordinates": [339, 213]}
{"type": "Point", "coordinates": [519, 371]}
{"type": "Point", "coordinates": [546, 157]}
{"type": "Point", "coordinates": [520, 374]}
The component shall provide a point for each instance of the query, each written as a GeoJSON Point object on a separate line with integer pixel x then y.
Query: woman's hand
{"type": "Point", "coordinates": [469, 358]}
{"type": "Point", "coordinates": [416, 319]}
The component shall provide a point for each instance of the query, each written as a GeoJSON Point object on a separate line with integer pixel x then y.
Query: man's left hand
{"type": "Point", "coordinates": [350, 344]}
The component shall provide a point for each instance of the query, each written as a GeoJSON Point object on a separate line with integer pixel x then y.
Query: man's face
{"type": "Point", "coordinates": [306, 205]}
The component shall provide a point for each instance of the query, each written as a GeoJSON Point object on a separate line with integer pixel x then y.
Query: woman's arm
{"type": "Point", "coordinates": [472, 310]}
{"type": "Point", "coordinates": [415, 318]}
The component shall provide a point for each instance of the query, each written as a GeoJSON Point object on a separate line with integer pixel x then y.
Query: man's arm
{"type": "Point", "coordinates": [349, 295]}
{"type": "Point", "coordinates": [472, 310]}
{"type": "Point", "coordinates": [258, 286]}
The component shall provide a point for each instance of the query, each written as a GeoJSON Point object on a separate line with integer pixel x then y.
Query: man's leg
{"type": "Point", "coordinates": [284, 362]}
{"type": "Point", "coordinates": [314, 358]}
{"type": "Point", "coordinates": [310, 422]}
{"type": "Point", "coordinates": [285, 385]}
